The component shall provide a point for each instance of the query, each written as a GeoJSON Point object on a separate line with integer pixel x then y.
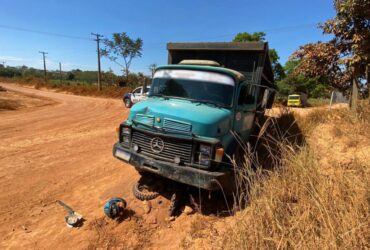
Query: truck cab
{"type": "Point", "coordinates": [186, 128]}
{"type": "Point", "coordinates": [297, 100]}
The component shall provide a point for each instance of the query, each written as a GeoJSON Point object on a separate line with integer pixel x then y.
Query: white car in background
{"type": "Point", "coordinates": [137, 95]}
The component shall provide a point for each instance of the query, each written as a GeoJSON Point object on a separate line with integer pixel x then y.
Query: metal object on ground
{"type": "Point", "coordinates": [114, 207]}
{"type": "Point", "coordinates": [73, 219]}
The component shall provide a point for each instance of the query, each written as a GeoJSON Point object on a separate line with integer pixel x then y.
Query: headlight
{"type": "Point", "coordinates": [126, 139]}
{"type": "Point", "coordinates": [126, 136]}
{"type": "Point", "coordinates": [126, 130]}
{"type": "Point", "coordinates": [204, 154]}
{"type": "Point", "coordinates": [205, 149]}
{"type": "Point", "coordinates": [203, 159]}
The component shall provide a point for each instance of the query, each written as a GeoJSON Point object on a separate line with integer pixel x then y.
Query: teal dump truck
{"type": "Point", "coordinates": [207, 94]}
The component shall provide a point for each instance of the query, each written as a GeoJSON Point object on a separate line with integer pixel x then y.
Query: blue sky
{"type": "Point", "coordinates": [287, 23]}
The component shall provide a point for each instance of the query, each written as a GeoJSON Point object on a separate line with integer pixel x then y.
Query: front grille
{"type": "Point", "coordinates": [146, 119]}
{"type": "Point", "coordinates": [173, 125]}
{"type": "Point", "coordinates": [172, 147]}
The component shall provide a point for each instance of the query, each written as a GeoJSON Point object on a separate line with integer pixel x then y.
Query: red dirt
{"type": "Point", "coordinates": [62, 151]}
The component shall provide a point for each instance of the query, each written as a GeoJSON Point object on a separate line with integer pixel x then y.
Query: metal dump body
{"type": "Point", "coordinates": [249, 58]}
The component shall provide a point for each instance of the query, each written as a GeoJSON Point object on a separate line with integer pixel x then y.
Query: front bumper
{"type": "Point", "coordinates": [209, 180]}
{"type": "Point", "coordinates": [293, 104]}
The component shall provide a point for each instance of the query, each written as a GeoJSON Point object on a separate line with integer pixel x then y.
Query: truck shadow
{"type": "Point", "coordinates": [276, 134]}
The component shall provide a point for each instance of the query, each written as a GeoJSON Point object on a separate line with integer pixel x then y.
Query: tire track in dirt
{"type": "Point", "coordinates": [62, 151]}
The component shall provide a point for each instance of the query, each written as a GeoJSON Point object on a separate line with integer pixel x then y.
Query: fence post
{"type": "Point", "coordinates": [354, 97]}
{"type": "Point", "coordinates": [331, 99]}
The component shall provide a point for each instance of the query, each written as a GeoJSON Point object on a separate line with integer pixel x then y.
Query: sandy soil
{"type": "Point", "coordinates": [62, 151]}
{"type": "Point", "coordinates": [11, 100]}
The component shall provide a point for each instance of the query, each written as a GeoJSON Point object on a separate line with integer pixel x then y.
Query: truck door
{"type": "Point", "coordinates": [245, 110]}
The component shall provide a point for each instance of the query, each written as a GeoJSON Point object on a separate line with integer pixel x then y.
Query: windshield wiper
{"type": "Point", "coordinates": [192, 100]}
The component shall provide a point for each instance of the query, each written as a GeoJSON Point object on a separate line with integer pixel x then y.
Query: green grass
{"type": "Point", "coordinates": [316, 102]}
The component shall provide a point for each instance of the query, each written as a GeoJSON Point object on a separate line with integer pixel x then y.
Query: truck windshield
{"type": "Point", "coordinates": [294, 97]}
{"type": "Point", "coordinates": [202, 86]}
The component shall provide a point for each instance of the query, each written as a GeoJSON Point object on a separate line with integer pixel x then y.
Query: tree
{"type": "Point", "coordinates": [351, 30]}
{"type": "Point", "coordinates": [121, 45]}
{"type": "Point", "coordinates": [249, 37]}
{"type": "Point", "coordinates": [109, 77]}
{"type": "Point", "coordinates": [347, 55]}
{"type": "Point", "coordinates": [290, 66]}
{"type": "Point", "coordinates": [71, 76]}
{"type": "Point", "coordinates": [277, 68]}
{"type": "Point", "coordinates": [152, 68]}
{"type": "Point", "coordinates": [293, 84]}
{"type": "Point", "coordinates": [322, 60]}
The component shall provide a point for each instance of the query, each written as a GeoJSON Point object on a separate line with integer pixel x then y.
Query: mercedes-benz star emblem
{"type": "Point", "coordinates": [157, 145]}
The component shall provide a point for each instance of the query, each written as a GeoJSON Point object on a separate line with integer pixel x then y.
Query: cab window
{"type": "Point", "coordinates": [251, 94]}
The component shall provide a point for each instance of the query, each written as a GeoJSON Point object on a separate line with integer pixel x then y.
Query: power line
{"type": "Point", "coordinates": [278, 29]}
{"type": "Point", "coordinates": [43, 32]}
{"type": "Point", "coordinates": [205, 37]}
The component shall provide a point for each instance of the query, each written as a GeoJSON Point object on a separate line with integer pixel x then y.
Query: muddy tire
{"type": "Point", "coordinates": [127, 102]}
{"type": "Point", "coordinates": [142, 193]}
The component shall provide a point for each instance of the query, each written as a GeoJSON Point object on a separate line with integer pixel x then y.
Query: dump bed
{"type": "Point", "coordinates": [249, 58]}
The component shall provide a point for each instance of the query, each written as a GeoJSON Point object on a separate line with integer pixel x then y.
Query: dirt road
{"type": "Point", "coordinates": [62, 151]}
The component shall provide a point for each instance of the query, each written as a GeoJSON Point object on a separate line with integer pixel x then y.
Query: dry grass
{"type": "Point", "coordinates": [300, 203]}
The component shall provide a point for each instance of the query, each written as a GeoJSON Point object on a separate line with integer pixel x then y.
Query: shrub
{"type": "Point", "coordinates": [298, 203]}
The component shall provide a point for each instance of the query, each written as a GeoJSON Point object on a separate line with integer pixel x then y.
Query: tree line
{"type": "Point", "coordinates": [76, 76]}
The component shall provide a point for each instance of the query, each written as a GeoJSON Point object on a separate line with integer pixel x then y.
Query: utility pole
{"type": "Point", "coordinates": [43, 56]}
{"type": "Point", "coordinates": [98, 50]}
{"type": "Point", "coordinates": [60, 73]}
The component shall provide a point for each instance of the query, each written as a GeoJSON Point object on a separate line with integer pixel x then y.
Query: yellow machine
{"type": "Point", "coordinates": [296, 100]}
